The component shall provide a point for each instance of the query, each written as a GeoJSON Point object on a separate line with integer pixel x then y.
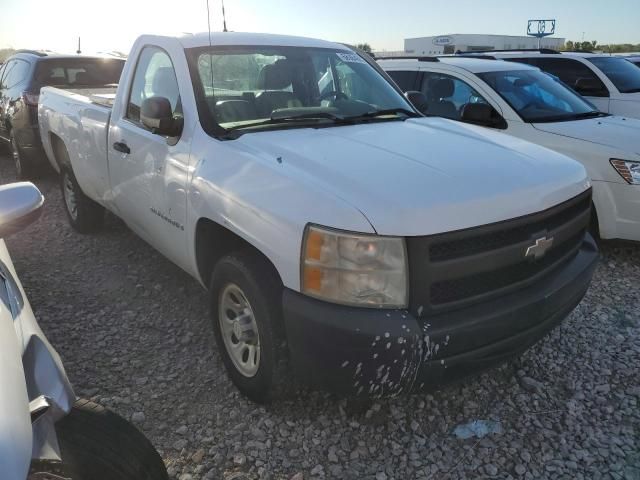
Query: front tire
{"type": "Point", "coordinates": [246, 312]}
{"type": "Point", "coordinates": [85, 215]}
{"type": "Point", "coordinates": [97, 444]}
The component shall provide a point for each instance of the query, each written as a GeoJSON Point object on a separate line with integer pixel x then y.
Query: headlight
{"type": "Point", "coordinates": [628, 170]}
{"type": "Point", "coordinates": [354, 269]}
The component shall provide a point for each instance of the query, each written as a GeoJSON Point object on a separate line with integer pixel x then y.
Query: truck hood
{"type": "Point", "coordinates": [620, 133]}
{"type": "Point", "coordinates": [424, 176]}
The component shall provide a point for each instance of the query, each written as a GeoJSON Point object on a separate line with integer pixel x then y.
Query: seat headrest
{"type": "Point", "coordinates": [165, 83]}
{"type": "Point", "coordinates": [443, 88]}
{"type": "Point", "coordinates": [276, 76]}
{"type": "Point", "coordinates": [83, 78]}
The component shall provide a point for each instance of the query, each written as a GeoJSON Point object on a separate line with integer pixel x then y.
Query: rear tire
{"type": "Point", "coordinates": [25, 170]}
{"type": "Point", "coordinates": [97, 444]}
{"type": "Point", "coordinates": [250, 278]}
{"type": "Point", "coordinates": [85, 215]}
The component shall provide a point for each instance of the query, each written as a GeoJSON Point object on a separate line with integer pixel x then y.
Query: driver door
{"type": "Point", "coordinates": [149, 171]}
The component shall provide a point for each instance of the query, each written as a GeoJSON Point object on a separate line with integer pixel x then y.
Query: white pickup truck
{"type": "Point", "coordinates": [346, 241]}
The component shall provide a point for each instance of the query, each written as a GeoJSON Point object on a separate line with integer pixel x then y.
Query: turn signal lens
{"type": "Point", "coordinates": [628, 170]}
{"type": "Point", "coordinates": [354, 269]}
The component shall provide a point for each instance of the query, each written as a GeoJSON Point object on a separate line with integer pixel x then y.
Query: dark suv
{"type": "Point", "coordinates": [21, 77]}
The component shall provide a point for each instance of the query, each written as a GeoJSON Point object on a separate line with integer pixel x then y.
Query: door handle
{"type": "Point", "coordinates": [121, 147]}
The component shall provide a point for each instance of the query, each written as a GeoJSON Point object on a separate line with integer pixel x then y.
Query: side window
{"type": "Point", "coordinates": [2, 69]}
{"type": "Point", "coordinates": [10, 295]}
{"type": "Point", "coordinates": [406, 80]}
{"type": "Point", "coordinates": [447, 95]}
{"type": "Point", "coordinates": [4, 294]}
{"type": "Point", "coordinates": [575, 74]}
{"type": "Point", "coordinates": [16, 73]}
{"type": "Point", "coordinates": [154, 77]}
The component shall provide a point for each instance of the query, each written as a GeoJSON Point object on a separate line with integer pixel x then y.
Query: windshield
{"type": "Point", "coordinates": [240, 88]}
{"type": "Point", "coordinates": [85, 72]}
{"type": "Point", "coordinates": [622, 73]}
{"type": "Point", "coordinates": [538, 97]}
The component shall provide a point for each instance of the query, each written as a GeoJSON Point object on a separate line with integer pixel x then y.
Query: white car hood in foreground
{"type": "Point", "coordinates": [425, 176]}
{"type": "Point", "coordinates": [620, 133]}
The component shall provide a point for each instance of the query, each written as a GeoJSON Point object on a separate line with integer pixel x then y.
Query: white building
{"type": "Point", "coordinates": [446, 44]}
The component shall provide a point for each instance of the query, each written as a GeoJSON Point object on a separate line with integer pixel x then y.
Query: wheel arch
{"type": "Point", "coordinates": [213, 241]}
{"type": "Point", "coordinates": [59, 151]}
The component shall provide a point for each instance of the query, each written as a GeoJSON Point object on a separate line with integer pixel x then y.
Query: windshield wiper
{"type": "Point", "coordinates": [384, 113]}
{"type": "Point", "coordinates": [631, 90]}
{"type": "Point", "coordinates": [591, 114]}
{"type": "Point", "coordinates": [283, 117]}
{"type": "Point", "coordinates": [278, 119]}
{"type": "Point", "coordinates": [569, 118]}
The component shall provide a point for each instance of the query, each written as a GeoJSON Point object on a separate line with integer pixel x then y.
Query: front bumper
{"type": "Point", "coordinates": [365, 352]}
{"type": "Point", "coordinates": [618, 209]}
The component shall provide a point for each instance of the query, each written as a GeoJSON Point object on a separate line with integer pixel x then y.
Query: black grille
{"type": "Point", "coordinates": [459, 268]}
{"type": "Point", "coordinates": [452, 290]}
{"type": "Point", "coordinates": [471, 244]}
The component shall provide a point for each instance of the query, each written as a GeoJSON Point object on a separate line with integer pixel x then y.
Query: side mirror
{"type": "Point", "coordinates": [588, 86]}
{"type": "Point", "coordinates": [157, 115]}
{"type": "Point", "coordinates": [483, 115]}
{"type": "Point", "coordinates": [20, 205]}
{"type": "Point", "coordinates": [418, 100]}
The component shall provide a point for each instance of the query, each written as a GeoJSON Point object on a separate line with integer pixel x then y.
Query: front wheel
{"type": "Point", "coordinates": [85, 215]}
{"type": "Point", "coordinates": [246, 298]}
{"type": "Point", "coordinates": [97, 444]}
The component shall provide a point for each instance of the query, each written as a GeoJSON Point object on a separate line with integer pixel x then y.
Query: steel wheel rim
{"type": "Point", "coordinates": [16, 157]}
{"type": "Point", "coordinates": [239, 330]}
{"type": "Point", "coordinates": [70, 196]}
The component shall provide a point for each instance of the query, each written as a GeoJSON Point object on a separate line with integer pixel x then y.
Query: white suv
{"type": "Point", "coordinates": [524, 102]}
{"type": "Point", "coordinates": [611, 83]}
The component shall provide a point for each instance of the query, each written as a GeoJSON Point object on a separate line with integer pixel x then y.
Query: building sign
{"type": "Point", "coordinates": [441, 41]}
{"type": "Point", "coordinates": [541, 28]}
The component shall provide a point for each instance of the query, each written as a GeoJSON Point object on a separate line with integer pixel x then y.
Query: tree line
{"type": "Point", "coordinates": [593, 45]}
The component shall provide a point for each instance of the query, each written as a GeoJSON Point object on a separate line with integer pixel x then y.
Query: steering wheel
{"type": "Point", "coordinates": [333, 93]}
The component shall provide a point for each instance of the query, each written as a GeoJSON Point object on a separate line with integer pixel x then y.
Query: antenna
{"type": "Point", "coordinates": [224, 19]}
{"type": "Point", "coordinates": [79, 51]}
{"type": "Point", "coordinates": [210, 49]}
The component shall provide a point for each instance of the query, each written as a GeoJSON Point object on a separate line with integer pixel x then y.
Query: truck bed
{"type": "Point", "coordinates": [99, 95]}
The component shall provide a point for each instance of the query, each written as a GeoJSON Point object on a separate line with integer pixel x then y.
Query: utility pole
{"type": "Point", "coordinates": [79, 51]}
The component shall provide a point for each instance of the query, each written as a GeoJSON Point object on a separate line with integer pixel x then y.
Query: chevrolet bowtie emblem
{"type": "Point", "coordinates": [539, 249]}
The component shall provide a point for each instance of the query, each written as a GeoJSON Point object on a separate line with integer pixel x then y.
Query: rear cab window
{"type": "Point", "coordinates": [77, 72]}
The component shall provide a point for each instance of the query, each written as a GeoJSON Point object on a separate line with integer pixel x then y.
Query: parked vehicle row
{"type": "Point", "coordinates": [45, 433]}
{"type": "Point", "coordinates": [346, 241]}
{"type": "Point", "coordinates": [21, 78]}
{"type": "Point", "coordinates": [524, 102]}
{"type": "Point", "coordinates": [611, 83]}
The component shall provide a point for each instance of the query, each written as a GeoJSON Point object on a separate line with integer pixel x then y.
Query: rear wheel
{"type": "Point", "coordinates": [85, 215]}
{"type": "Point", "coordinates": [24, 167]}
{"type": "Point", "coordinates": [97, 444]}
{"type": "Point", "coordinates": [246, 299]}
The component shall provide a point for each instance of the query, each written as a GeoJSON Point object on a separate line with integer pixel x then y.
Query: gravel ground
{"type": "Point", "coordinates": [133, 332]}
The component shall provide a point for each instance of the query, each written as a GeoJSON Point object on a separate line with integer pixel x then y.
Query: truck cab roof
{"type": "Point", "coordinates": [195, 40]}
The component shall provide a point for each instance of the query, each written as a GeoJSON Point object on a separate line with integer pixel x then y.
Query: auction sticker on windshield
{"type": "Point", "coordinates": [350, 58]}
